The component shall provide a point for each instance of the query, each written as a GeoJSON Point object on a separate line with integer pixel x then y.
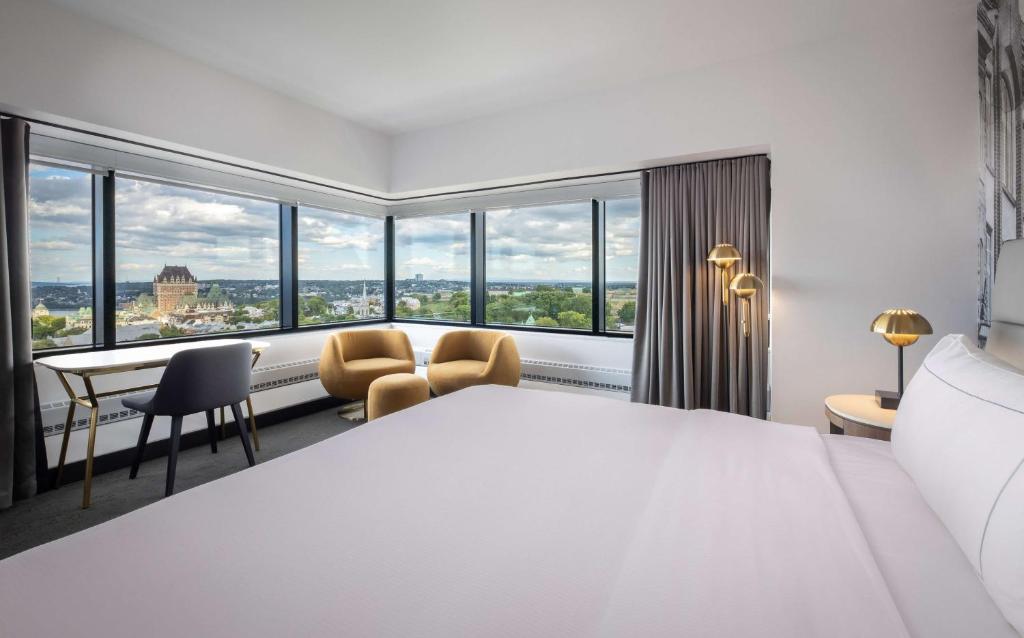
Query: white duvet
{"type": "Point", "coordinates": [488, 513]}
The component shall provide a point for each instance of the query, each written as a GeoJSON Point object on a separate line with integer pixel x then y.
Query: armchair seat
{"type": "Point", "coordinates": [464, 358]}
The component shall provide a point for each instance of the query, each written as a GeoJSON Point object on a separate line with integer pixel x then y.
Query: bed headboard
{"type": "Point", "coordinates": [1006, 337]}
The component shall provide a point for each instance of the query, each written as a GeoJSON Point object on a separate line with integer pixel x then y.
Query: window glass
{"type": "Point", "coordinates": [432, 267]}
{"type": "Point", "coordinates": [622, 250]}
{"type": "Point", "coordinates": [539, 266]}
{"type": "Point", "coordinates": [60, 249]}
{"type": "Point", "coordinates": [341, 267]}
{"type": "Point", "coordinates": [192, 262]}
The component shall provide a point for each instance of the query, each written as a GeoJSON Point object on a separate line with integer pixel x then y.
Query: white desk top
{"type": "Point", "coordinates": [861, 408]}
{"type": "Point", "coordinates": [132, 358]}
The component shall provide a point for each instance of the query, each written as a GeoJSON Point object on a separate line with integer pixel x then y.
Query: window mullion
{"type": "Point", "coordinates": [289, 260]}
{"type": "Point", "coordinates": [477, 272]}
{"type": "Point", "coordinates": [597, 289]}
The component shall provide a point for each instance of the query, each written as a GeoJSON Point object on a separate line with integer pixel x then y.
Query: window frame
{"type": "Point", "coordinates": [104, 270]}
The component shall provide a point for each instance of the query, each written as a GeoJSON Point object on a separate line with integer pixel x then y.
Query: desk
{"type": "Point", "coordinates": [102, 362]}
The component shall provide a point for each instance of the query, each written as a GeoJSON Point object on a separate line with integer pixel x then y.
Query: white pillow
{"type": "Point", "coordinates": [959, 433]}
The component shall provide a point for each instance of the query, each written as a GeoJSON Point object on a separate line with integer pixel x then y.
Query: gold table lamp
{"type": "Point", "coordinates": [745, 285]}
{"type": "Point", "coordinates": [723, 256]}
{"type": "Point", "coordinates": [901, 327]}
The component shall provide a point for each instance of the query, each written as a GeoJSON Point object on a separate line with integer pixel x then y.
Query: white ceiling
{"type": "Point", "coordinates": [401, 65]}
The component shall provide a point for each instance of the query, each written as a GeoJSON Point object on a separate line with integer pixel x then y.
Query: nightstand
{"type": "Point", "coordinates": [858, 415]}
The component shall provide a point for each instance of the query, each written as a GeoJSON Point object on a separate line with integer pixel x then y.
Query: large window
{"type": "Point", "coordinates": [341, 267]}
{"type": "Point", "coordinates": [621, 255]}
{"type": "Point", "coordinates": [60, 246]}
{"type": "Point", "coordinates": [432, 267]}
{"type": "Point", "coordinates": [539, 266]}
{"type": "Point", "coordinates": [192, 262]}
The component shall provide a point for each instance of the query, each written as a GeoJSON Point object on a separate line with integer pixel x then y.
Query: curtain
{"type": "Point", "coordinates": [19, 426]}
{"type": "Point", "coordinates": [689, 350]}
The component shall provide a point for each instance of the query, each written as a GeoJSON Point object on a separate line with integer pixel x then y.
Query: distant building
{"type": "Point", "coordinates": [530, 321]}
{"type": "Point", "coordinates": [173, 283]}
{"type": "Point", "coordinates": [40, 311]}
{"type": "Point", "coordinates": [80, 319]}
{"type": "Point", "coordinates": [412, 303]}
{"type": "Point", "coordinates": [419, 276]}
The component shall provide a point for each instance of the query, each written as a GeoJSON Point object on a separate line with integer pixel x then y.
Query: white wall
{"type": "Point", "coordinates": [56, 62]}
{"type": "Point", "coordinates": [873, 139]}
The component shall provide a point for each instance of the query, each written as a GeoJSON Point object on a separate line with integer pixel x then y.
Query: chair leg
{"type": "Point", "coordinates": [252, 423]}
{"type": "Point", "coordinates": [140, 449]}
{"type": "Point", "coordinates": [172, 458]}
{"type": "Point", "coordinates": [211, 429]}
{"type": "Point", "coordinates": [243, 432]}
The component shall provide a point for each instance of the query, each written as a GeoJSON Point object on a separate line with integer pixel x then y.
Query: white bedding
{"type": "Point", "coordinates": [491, 512]}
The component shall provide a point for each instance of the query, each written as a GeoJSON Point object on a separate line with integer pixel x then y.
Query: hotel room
{"type": "Point", "coordinates": [482, 319]}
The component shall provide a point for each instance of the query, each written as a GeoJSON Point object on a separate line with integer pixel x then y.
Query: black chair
{"type": "Point", "coordinates": [197, 380]}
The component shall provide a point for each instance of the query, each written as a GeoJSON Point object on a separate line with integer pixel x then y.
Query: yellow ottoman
{"type": "Point", "coordinates": [395, 392]}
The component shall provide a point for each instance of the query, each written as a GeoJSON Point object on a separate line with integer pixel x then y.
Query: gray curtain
{"type": "Point", "coordinates": [19, 427]}
{"type": "Point", "coordinates": [689, 350]}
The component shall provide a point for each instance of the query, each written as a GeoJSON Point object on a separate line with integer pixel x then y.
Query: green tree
{"type": "Point", "coordinates": [573, 319]}
{"type": "Point", "coordinates": [627, 313]}
{"type": "Point", "coordinates": [47, 326]}
{"type": "Point", "coordinates": [546, 322]}
{"type": "Point", "coordinates": [167, 330]}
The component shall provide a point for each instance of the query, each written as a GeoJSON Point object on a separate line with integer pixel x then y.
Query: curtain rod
{"type": "Point", "coordinates": [392, 200]}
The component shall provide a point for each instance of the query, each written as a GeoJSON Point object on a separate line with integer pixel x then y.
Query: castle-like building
{"type": "Point", "coordinates": [173, 283]}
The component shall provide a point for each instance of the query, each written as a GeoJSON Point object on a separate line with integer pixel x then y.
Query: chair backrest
{"type": "Point", "coordinates": [205, 378]}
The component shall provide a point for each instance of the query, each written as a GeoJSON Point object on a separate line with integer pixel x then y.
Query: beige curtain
{"type": "Point", "coordinates": [689, 350]}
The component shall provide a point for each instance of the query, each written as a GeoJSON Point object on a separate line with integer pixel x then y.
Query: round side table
{"type": "Point", "coordinates": [858, 415]}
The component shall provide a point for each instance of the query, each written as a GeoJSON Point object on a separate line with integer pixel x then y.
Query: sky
{"type": "Point", "coordinates": [227, 237]}
{"type": "Point", "coordinates": [60, 225]}
{"type": "Point", "coordinates": [542, 243]}
{"type": "Point", "coordinates": [335, 245]}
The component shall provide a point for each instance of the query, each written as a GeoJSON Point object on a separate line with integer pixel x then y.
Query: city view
{"type": "Point", "coordinates": [193, 262]}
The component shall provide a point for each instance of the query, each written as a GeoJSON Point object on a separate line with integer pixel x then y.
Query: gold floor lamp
{"type": "Point", "coordinates": [745, 285]}
{"type": "Point", "coordinates": [723, 256]}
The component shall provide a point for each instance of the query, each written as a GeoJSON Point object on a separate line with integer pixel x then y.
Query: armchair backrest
{"type": "Point", "coordinates": [476, 345]}
{"type": "Point", "coordinates": [371, 344]}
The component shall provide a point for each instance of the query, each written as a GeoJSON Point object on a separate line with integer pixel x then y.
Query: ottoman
{"type": "Point", "coordinates": [395, 392]}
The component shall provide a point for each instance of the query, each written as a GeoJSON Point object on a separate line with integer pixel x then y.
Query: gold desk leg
{"type": "Point", "coordinates": [252, 423]}
{"type": "Point", "coordinates": [94, 415]}
{"type": "Point", "coordinates": [64, 444]}
{"type": "Point", "coordinates": [73, 398]}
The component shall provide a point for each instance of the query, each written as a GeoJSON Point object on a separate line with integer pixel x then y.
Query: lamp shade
{"type": "Point", "coordinates": [901, 326]}
{"type": "Point", "coordinates": [724, 255]}
{"type": "Point", "coordinates": [745, 285]}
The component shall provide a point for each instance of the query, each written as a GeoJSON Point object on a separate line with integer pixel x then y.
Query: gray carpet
{"type": "Point", "coordinates": [57, 513]}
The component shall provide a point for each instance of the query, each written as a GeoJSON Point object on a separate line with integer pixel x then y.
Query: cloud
{"type": "Point", "coordinates": [52, 245]}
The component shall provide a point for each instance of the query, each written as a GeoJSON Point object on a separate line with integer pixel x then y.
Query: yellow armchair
{"type": "Point", "coordinates": [463, 358]}
{"type": "Point", "coordinates": [352, 359]}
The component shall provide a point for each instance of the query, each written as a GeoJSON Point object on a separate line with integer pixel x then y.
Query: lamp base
{"type": "Point", "coordinates": [887, 399]}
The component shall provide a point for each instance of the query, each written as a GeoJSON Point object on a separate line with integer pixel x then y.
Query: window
{"type": "Point", "coordinates": [539, 266]}
{"type": "Point", "coordinates": [192, 262]}
{"type": "Point", "coordinates": [341, 267]}
{"type": "Point", "coordinates": [432, 267]}
{"type": "Point", "coordinates": [60, 248]}
{"type": "Point", "coordinates": [621, 255]}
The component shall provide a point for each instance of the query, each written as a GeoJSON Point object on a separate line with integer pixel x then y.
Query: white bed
{"type": "Point", "coordinates": [509, 512]}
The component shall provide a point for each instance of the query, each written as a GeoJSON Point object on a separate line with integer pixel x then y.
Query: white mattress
{"type": "Point", "coordinates": [502, 512]}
